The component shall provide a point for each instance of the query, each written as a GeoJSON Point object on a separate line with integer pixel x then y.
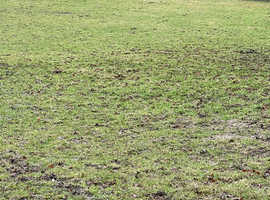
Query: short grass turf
{"type": "Point", "coordinates": [134, 99]}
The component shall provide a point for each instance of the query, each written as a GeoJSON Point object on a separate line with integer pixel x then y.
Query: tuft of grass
{"type": "Point", "coordinates": [146, 99]}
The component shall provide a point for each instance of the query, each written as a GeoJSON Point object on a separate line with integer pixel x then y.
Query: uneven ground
{"type": "Point", "coordinates": [135, 99]}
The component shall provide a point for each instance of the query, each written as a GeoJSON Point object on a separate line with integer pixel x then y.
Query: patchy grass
{"type": "Point", "coordinates": [145, 99]}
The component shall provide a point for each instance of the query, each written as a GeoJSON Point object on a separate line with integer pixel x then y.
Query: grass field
{"type": "Point", "coordinates": [135, 99]}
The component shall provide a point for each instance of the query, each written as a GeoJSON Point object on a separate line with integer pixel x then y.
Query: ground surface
{"type": "Point", "coordinates": [134, 99]}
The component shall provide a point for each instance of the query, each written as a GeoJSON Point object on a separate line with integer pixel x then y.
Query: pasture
{"type": "Point", "coordinates": [135, 99]}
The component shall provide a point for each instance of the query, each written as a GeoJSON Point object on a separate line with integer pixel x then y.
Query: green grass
{"type": "Point", "coordinates": [134, 99]}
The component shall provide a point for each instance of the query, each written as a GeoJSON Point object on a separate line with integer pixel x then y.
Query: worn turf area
{"type": "Point", "coordinates": [135, 99]}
